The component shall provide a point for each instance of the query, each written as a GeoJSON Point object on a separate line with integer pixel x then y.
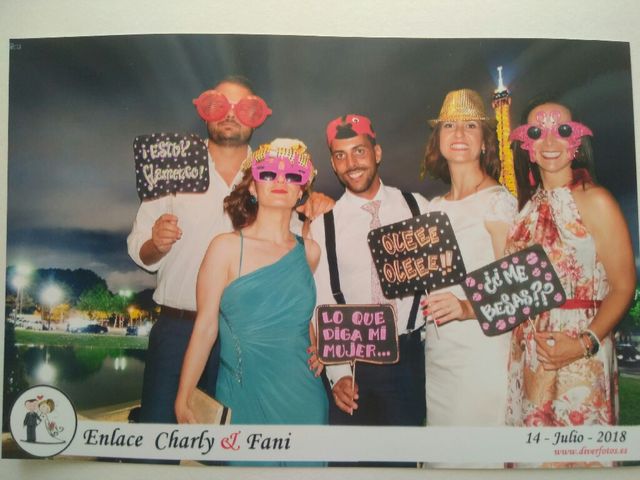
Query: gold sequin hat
{"type": "Point", "coordinates": [290, 149]}
{"type": "Point", "coordinates": [462, 105]}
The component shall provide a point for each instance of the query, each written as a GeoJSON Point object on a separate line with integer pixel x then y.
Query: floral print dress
{"type": "Point", "coordinates": [584, 392]}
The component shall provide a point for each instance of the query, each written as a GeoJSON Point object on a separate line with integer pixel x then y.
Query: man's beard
{"type": "Point", "coordinates": [232, 139]}
{"type": "Point", "coordinates": [370, 176]}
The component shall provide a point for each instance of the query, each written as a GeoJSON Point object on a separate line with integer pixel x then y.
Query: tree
{"type": "Point", "coordinates": [77, 281]}
{"type": "Point", "coordinates": [144, 301]}
{"type": "Point", "coordinates": [119, 306]}
{"type": "Point", "coordinates": [634, 311]}
{"type": "Point", "coordinates": [97, 302]}
{"type": "Point", "coordinates": [135, 314]}
{"type": "Point", "coordinates": [631, 320]}
{"type": "Point", "coordinates": [58, 313]}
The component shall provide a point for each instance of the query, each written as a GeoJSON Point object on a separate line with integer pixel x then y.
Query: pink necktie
{"type": "Point", "coordinates": [376, 291]}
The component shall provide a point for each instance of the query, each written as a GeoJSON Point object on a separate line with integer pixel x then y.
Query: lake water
{"type": "Point", "coordinates": [90, 377]}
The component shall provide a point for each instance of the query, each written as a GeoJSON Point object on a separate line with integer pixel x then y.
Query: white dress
{"type": "Point", "coordinates": [466, 371]}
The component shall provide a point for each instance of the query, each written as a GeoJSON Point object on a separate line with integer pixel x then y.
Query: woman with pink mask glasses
{"type": "Point", "coordinates": [562, 368]}
{"type": "Point", "coordinates": [256, 292]}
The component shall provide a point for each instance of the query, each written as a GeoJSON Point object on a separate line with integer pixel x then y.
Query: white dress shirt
{"type": "Point", "coordinates": [354, 256]}
{"type": "Point", "coordinates": [200, 217]}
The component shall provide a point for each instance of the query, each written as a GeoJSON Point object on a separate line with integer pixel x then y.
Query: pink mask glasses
{"type": "Point", "coordinates": [547, 123]}
{"type": "Point", "coordinates": [213, 106]}
{"type": "Point", "coordinates": [292, 163]}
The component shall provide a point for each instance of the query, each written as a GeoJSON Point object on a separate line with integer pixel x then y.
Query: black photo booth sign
{"type": "Point", "coordinates": [362, 333]}
{"type": "Point", "coordinates": [420, 253]}
{"type": "Point", "coordinates": [170, 163]}
{"type": "Point", "coordinates": [508, 291]}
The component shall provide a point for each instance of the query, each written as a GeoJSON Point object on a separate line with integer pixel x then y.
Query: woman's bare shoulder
{"type": "Point", "coordinates": [312, 250]}
{"type": "Point", "coordinates": [594, 199]}
{"type": "Point", "coordinates": [598, 209]}
{"type": "Point", "coordinates": [226, 238]}
{"type": "Point", "coordinates": [224, 243]}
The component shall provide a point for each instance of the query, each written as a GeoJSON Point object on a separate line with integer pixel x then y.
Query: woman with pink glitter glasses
{"type": "Point", "coordinates": [562, 367]}
{"type": "Point", "coordinates": [256, 291]}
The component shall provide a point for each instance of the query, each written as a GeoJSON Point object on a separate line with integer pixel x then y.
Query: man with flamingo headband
{"type": "Point", "coordinates": [547, 123]}
{"type": "Point", "coordinates": [349, 126]}
{"type": "Point", "coordinates": [381, 394]}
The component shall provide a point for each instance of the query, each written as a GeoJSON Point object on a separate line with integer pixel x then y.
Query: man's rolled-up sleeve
{"type": "Point", "coordinates": [147, 215]}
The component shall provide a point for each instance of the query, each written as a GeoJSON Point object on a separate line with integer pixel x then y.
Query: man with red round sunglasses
{"type": "Point", "coordinates": [170, 237]}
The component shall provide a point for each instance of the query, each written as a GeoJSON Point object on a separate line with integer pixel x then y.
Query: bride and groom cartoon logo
{"type": "Point", "coordinates": [38, 410]}
{"type": "Point", "coordinates": [43, 421]}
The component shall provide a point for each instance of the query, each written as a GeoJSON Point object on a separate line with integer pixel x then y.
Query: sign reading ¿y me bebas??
{"type": "Point", "coordinates": [508, 291]}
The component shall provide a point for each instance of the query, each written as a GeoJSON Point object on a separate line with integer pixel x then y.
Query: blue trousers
{"type": "Point", "coordinates": [168, 342]}
{"type": "Point", "coordinates": [391, 394]}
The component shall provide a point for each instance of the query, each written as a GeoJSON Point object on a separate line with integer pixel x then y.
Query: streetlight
{"type": "Point", "coordinates": [51, 295]}
{"type": "Point", "coordinates": [126, 294]}
{"type": "Point", "coordinates": [20, 281]}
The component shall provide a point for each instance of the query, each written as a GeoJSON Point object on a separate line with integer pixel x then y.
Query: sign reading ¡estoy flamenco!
{"type": "Point", "coordinates": [170, 163]}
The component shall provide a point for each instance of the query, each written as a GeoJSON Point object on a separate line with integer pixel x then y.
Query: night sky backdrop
{"type": "Point", "coordinates": [76, 104]}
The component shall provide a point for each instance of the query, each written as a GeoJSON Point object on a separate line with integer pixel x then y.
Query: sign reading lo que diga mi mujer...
{"type": "Point", "coordinates": [363, 333]}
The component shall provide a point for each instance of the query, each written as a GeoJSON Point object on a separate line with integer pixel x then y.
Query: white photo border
{"type": "Point", "coordinates": [573, 19]}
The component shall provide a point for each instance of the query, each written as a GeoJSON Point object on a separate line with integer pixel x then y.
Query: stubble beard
{"type": "Point", "coordinates": [237, 138]}
{"type": "Point", "coordinates": [370, 176]}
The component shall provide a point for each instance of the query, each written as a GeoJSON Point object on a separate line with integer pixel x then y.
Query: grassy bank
{"type": "Point", "coordinates": [629, 404]}
{"type": "Point", "coordinates": [629, 400]}
{"type": "Point", "coordinates": [63, 339]}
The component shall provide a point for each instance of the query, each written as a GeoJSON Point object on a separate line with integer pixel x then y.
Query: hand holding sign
{"type": "Point", "coordinates": [351, 333]}
{"type": "Point", "coordinates": [170, 163]}
{"type": "Point", "coordinates": [508, 291]}
{"type": "Point", "coordinates": [420, 253]}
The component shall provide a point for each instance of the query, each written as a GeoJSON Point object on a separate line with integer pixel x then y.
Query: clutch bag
{"type": "Point", "coordinates": [208, 410]}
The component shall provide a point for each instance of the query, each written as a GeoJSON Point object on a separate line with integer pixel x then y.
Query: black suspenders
{"type": "Point", "coordinates": [332, 259]}
{"type": "Point", "coordinates": [415, 211]}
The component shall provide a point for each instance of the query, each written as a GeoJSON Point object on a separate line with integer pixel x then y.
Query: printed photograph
{"type": "Point", "coordinates": [179, 205]}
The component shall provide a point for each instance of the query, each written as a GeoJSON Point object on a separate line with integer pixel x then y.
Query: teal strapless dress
{"type": "Point", "coordinates": [264, 332]}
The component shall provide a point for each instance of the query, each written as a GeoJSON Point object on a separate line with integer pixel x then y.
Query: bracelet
{"type": "Point", "coordinates": [587, 349]}
{"type": "Point", "coordinates": [595, 341]}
